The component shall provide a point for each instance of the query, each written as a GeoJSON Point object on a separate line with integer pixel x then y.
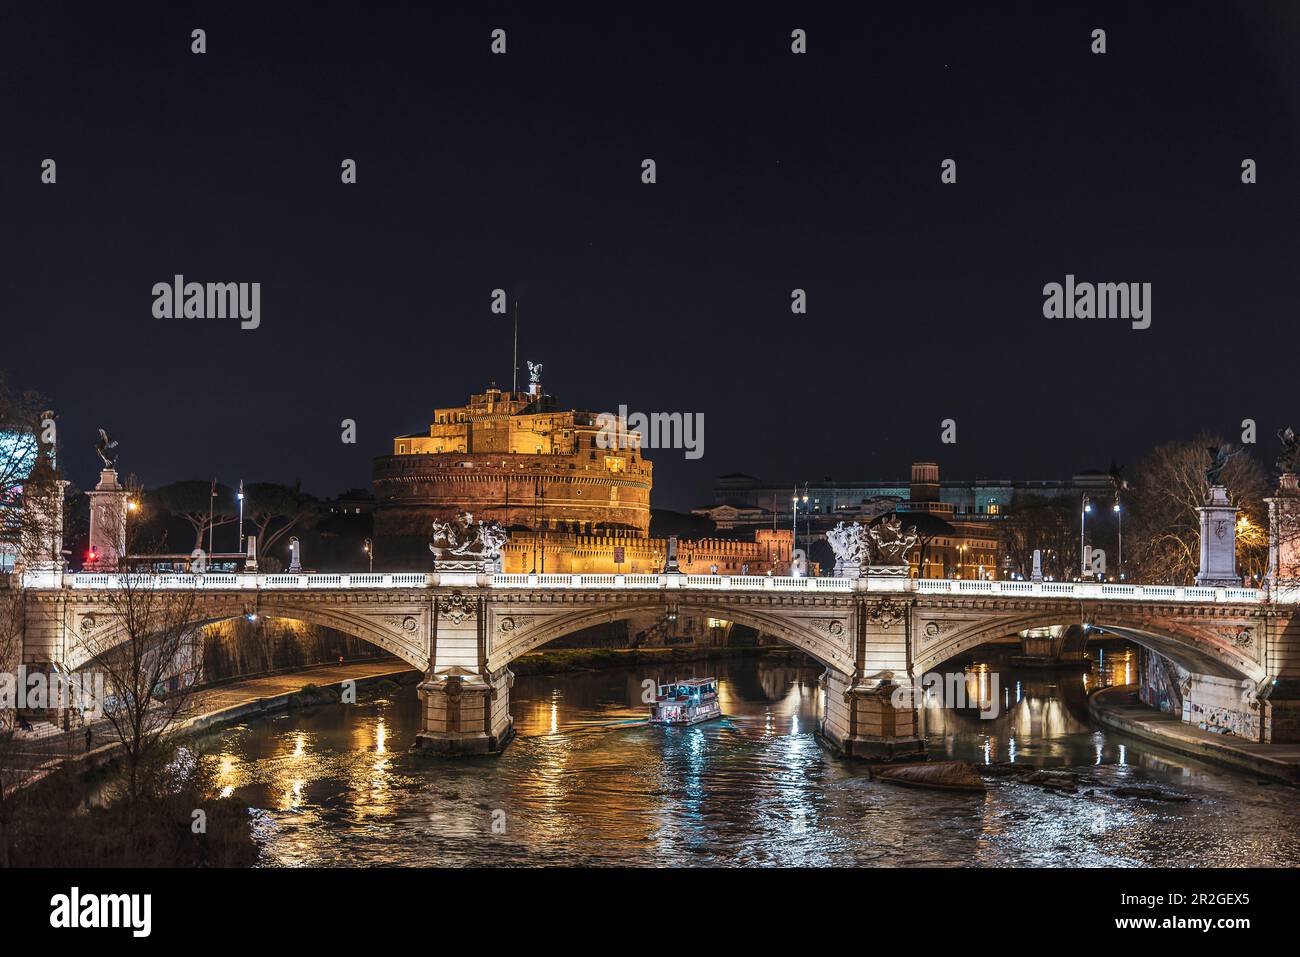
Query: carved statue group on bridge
{"type": "Point", "coordinates": [882, 545]}
{"type": "Point", "coordinates": [464, 540]}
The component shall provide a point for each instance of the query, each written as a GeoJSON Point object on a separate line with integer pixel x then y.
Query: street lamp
{"type": "Point", "coordinates": [807, 519]}
{"type": "Point", "coordinates": [1119, 557]}
{"type": "Point", "coordinates": [240, 496]}
{"type": "Point", "coordinates": [1083, 549]}
{"type": "Point", "coordinates": [369, 549]}
{"type": "Point", "coordinates": [794, 524]}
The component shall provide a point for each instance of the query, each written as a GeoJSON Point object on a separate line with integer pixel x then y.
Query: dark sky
{"type": "Point", "coordinates": [775, 171]}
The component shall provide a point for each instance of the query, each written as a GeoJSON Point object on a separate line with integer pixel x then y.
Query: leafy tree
{"type": "Point", "coordinates": [191, 500]}
{"type": "Point", "coordinates": [275, 510]}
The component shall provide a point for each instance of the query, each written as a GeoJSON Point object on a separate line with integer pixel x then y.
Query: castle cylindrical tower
{"type": "Point", "coordinates": [520, 459]}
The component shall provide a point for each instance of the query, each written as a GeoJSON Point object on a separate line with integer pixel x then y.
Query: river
{"type": "Point", "coordinates": [585, 783]}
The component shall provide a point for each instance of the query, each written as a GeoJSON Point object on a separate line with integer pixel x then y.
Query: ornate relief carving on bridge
{"type": "Point", "coordinates": [456, 607]}
{"type": "Point", "coordinates": [935, 629]}
{"type": "Point", "coordinates": [512, 625]}
{"type": "Point", "coordinates": [886, 612]}
{"type": "Point", "coordinates": [90, 621]}
{"type": "Point", "coordinates": [404, 622]}
{"type": "Point", "coordinates": [833, 627]}
{"type": "Point", "coordinates": [1243, 636]}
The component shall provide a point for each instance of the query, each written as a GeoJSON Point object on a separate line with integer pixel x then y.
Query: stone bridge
{"type": "Point", "coordinates": [1235, 646]}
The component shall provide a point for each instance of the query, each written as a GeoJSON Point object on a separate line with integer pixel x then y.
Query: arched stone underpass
{"type": "Point", "coordinates": [98, 632]}
{"type": "Point", "coordinates": [1208, 649]}
{"type": "Point", "coordinates": [516, 633]}
{"type": "Point", "coordinates": [1219, 657]}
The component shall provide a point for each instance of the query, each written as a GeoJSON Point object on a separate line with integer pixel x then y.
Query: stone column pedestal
{"type": "Point", "coordinates": [465, 714]}
{"type": "Point", "coordinates": [876, 721]}
{"type": "Point", "coordinates": [1284, 535]}
{"type": "Point", "coordinates": [107, 522]}
{"type": "Point", "coordinates": [1218, 541]}
{"type": "Point", "coordinates": [40, 547]}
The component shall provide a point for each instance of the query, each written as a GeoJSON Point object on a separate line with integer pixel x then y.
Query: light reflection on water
{"type": "Point", "coordinates": [585, 782]}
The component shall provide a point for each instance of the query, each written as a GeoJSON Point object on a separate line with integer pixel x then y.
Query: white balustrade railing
{"type": "Point", "coordinates": [238, 581]}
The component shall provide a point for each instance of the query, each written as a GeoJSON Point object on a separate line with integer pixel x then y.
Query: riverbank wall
{"type": "Point", "coordinates": [1120, 709]}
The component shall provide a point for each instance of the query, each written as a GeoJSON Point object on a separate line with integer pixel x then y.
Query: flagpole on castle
{"type": "Point", "coordinates": [514, 366]}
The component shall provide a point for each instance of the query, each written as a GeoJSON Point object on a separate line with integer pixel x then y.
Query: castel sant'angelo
{"type": "Point", "coordinates": [571, 504]}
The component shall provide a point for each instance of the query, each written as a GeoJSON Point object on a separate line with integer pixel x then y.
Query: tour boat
{"type": "Point", "coordinates": [686, 702]}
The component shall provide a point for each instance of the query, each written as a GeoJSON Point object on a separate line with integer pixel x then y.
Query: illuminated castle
{"type": "Point", "coordinates": [570, 502]}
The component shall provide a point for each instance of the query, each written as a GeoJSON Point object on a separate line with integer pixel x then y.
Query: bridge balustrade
{"type": "Point", "coordinates": [926, 586]}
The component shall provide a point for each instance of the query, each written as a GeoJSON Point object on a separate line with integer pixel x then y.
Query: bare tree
{"type": "Point", "coordinates": [150, 664]}
{"type": "Point", "coordinates": [19, 413]}
{"type": "Point", "coordinates": [1047, 525]}
{"type": "Point", "coordinates": [20, 450]}
{"type": "Point", "coordinates": [11, 653]}
{"type": "Point", "coordinates": [148, 649]}
{"type": "Point", "coordinates": [30, 535]}
{"type": "Point", "coordinates": [1170, 486]}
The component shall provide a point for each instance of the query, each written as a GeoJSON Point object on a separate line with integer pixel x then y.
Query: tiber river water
{"type": "Point", "coordinates": [584, 783]}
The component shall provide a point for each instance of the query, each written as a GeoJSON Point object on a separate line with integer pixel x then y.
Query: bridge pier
{"type": "Point", "coordinates": [876, 720]}
{"type": "Point", "coordinates": [873, 714]}
{"type": "Point", "coordinates": [465, 714]}
{"type": "Point", "coordinates": [464, 704]}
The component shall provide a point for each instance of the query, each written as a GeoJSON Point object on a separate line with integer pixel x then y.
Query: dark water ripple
{"type": "Point", "coordinates": [582, 784]}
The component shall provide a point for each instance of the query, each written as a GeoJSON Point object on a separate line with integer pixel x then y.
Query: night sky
{"type": "Point", "coordinates": [775, 171]}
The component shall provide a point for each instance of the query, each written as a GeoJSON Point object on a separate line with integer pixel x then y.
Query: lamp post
{"type": "Point", "coordinates": [369, 549]}
{"type": "Point", "coordinates": [807, 521]}
{"type": "Point", "coordinates": [1119, 552]}
{"type": "Point", "coordinates": [794, 522]}
{"type": "Point", "coordinates": [212, 498]}
{"type": "Point", "coordinates": [1083, 549]}
{"type": "Point", "coordinates": [240, 497]}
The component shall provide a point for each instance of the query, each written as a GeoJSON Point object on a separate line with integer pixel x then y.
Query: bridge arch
{"type": "Point", "coordinates": [826, 636]}
{"type": "Point", "coordinates": [1194, 647]}
{"type": "Point", "coordinates": [404, 636]}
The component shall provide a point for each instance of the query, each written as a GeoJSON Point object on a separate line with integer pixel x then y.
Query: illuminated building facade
{"type": "Point", "coordinates": [517, 458]}
{"type": "Point", "coordinates": [572, 503]}
{"type": "Point", "coordinates": [969, 547]}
